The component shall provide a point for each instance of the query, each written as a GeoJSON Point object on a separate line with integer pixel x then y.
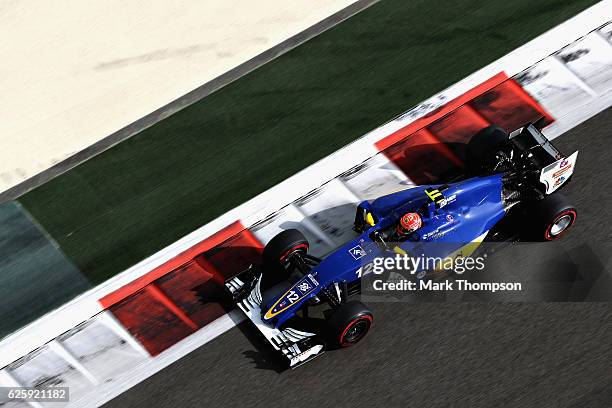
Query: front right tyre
{"type": "Point", "coordinates": [348, 324]}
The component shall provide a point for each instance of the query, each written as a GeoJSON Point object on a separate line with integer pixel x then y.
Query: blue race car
{"type": "Point", "coordinates": [512, 177]}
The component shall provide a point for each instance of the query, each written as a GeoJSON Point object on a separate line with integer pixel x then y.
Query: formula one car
{"type": "Point", "coordinates": [511, 174]}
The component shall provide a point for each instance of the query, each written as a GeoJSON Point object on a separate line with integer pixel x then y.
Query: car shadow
{"type": "Point", "coordinates": [565, 271]}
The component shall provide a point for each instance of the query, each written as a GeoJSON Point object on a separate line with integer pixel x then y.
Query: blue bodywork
{"type": "Point", "coordinates": [471, 208]}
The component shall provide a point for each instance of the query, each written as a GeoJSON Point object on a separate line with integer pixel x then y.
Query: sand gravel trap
{"type": "Point", "coordinates": [73, 72]}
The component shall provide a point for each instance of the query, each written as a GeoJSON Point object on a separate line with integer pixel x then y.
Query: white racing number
{"type": "Point", "coordinates": [364, 270]}
{"type": "Point", "coordinates": [293, 296]}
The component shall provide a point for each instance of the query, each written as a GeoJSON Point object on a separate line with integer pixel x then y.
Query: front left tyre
{"type": "Point", "coordinates": [280, 248]}
{"type": "Point", "coordinates": [277, 253]}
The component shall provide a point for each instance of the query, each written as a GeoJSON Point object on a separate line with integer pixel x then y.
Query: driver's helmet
{"type": "Point", "coordinates": [409, 223]}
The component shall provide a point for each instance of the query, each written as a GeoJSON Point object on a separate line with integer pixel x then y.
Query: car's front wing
{"type": "Point", "coordinates": [296, 345]}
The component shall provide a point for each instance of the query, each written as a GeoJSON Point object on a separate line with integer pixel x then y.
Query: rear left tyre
{"type": "Point", "coordinates": [483, 146]}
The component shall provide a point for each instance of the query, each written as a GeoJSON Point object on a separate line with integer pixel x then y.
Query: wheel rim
{"type": "Point", "coordinates": [560, 225]}
{"type": "Point", "coordinates": [356, 330]}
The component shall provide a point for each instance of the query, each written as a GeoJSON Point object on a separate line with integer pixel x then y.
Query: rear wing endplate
{"type": "Point", "coordinates": [556, 174]}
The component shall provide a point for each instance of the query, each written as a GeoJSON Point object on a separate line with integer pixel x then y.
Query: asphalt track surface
{"type": "Point", "coordinates": [439, 354]}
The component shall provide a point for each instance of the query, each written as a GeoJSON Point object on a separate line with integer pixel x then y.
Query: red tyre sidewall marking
{"type": "Point", "coordinates": [549, 237]}
{"type": "Point", "coordinates": [295, 248]}
{"type": "Point", "coordinates": [367, 317]}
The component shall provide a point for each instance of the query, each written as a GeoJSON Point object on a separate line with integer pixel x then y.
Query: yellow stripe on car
{"type": "Point", "coordinates": [270, 314]}
{"type": "Point", "coordinates": [433, 194]}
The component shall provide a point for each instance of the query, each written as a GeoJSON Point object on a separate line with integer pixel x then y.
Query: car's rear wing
{"type": "Point", "coordinates": [535, 148]}
{"type": "Point", "coordinates": [556, 174]}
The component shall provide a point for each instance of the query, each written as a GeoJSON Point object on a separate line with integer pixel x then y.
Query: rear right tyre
{"type": "Point", "coordinates": [549, 219]}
